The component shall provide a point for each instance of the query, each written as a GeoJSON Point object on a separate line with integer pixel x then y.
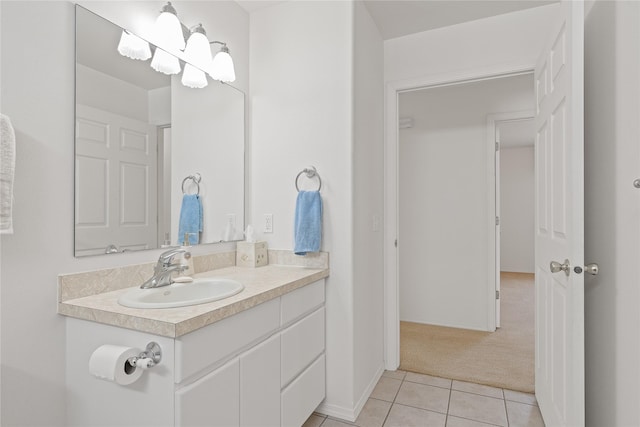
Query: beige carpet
{"type": "Point", "coordinates": [504, 358]}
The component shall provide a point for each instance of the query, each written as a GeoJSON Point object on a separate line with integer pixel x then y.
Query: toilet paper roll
{"type": "Point", "coordinates": [109, 362]}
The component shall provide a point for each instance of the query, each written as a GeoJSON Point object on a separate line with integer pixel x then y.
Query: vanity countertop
{"type": "Point", "coordinates": [260, 285]}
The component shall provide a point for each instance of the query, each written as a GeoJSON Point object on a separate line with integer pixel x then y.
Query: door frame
{"type": "Point", "coordinates": [164, 184]}
{"type": "Point", "coordinates": [391, 206]}
{"type": "Point", "coordinates": [493, 121]}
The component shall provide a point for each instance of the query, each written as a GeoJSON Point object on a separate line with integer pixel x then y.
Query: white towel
{"type": "Point", "coordinates": [7, 172]}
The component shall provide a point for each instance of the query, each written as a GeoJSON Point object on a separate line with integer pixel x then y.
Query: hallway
{"type": "Point", "coordinates": [504, 358]}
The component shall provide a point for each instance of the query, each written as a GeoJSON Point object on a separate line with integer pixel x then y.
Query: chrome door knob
{"type": "Point", "coordinates": [555, 267]}
{"type": "Point", "coordinates": [592, 269]}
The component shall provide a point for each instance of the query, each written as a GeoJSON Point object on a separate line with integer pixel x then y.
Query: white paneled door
{"type": "Point", "coordinates": [559, 370]}
{"type": "Point", "coordinates": [116, 193]}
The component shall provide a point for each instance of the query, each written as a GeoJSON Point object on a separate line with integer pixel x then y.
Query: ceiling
{"type": "Point", "coordinates": [397, 18]}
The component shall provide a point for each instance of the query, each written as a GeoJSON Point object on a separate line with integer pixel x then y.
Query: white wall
{"type": "Point", "coordinates": [368, 167]}
{"type": "Point", "coordinates": [40, 105]}
{"type": "Point", "coordinates": [517, 208]}
{"type": "Point", "coordinates": [444, 199]}
{"type": "Point", "coordinates": [37, 87]}
{"type": "Point", "coordinates": [310, 108]}
{"type": "Point", "coordinates": [302, 115]}
{"type": "Point", "coordinates": [612, 213]}
{"type": "Point", "coordinates": [510, 39]}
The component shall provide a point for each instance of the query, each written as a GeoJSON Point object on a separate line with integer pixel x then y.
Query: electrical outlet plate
{"type": "Point", "coordinates": [268, 223]}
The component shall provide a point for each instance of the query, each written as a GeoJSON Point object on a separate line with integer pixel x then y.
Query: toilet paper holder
{"type": "Point", "coordinates": [148, 358]}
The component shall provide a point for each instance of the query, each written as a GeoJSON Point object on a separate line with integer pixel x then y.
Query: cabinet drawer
{"type": "Point", "coordinates": [302, 342]}
{"type": "Point", "coordinates": [206, 346]}
{"type": "Point", "coordinates": [212, 400]}
{"type": "Point", "coordinates": [301, 301]}
{"type": "Point", "coordinates": [303, 395]}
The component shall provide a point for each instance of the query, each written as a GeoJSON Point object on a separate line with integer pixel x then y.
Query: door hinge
{"type": "Point", "coordinates": [497, 146]}
{"type": "Point", "coordinates": [395, 243]}
{"type": "Point", "coordinates": [497, 220]}
{"type": "Point", "coordinates": [497, 294]}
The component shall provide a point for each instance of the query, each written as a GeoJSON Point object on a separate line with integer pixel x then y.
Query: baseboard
{"type": "Point", "coordinates": [367, 391]}
{"type": "Point", "coordinates": [336, 411]}
{"type": "Point", "coordinates": [350, 414]}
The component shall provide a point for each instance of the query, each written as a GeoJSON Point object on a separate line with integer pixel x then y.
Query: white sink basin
{"type": "Point", "coordinates": [199, 291]}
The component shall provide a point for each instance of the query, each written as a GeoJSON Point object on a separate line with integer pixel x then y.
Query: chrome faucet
{"type": "Point", "coordinates": [162, 272]}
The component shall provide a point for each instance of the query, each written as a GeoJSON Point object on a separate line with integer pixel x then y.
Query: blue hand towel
{"type": "Point", "coordinates": [308, 222]}
{"type": "Point", "coordinates": [190, 219]}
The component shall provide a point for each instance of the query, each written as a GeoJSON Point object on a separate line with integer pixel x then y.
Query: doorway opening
{"type": "Point", "coordinates": [559, 229]}
{"type": "Point", "coordinates": [449, 229]}
{"type": "Point", "coordinates": [164, 186]}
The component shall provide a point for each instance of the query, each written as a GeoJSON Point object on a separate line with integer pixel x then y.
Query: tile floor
{"type": "Point", "coordinates": [404, 399]}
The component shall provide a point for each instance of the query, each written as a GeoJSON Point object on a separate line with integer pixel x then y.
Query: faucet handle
{"type": "Point", "coordinates": [167, 256]}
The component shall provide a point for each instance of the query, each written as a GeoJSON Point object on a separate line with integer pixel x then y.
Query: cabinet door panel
{"type": "Point", "coordinates": [212, 400]}
{"type": "Point", "coordinates": [302, 342]}
{"type": "Point", "coordinates": [260, 385]}
{"type": "Point", "coordinates": [303, 395]}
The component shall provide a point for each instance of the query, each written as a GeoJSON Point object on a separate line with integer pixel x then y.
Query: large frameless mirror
{"type": "Point", "coordinates": [143, 142]}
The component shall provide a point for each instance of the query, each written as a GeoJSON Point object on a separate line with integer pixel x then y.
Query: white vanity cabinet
{"type": "Point", "coordinates": [261, 367]}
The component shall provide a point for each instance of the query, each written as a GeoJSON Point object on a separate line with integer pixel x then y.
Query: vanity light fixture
{"type": "Point", "coordinates": [197, 52]}
{"type": "Point", "coordinates": [168, 37]}
{"type": "Point", "coordinates": [133, 46]}
{"type": "Point", "coordinates": [222, 66]}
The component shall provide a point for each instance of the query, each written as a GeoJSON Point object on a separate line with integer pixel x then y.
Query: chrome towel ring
{"type": "Point", "coordinates": [310, 172]}
{"type": "Point", "coordinates": [196, 178]}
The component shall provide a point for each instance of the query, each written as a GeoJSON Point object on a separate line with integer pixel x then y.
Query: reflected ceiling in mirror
{"type": "Point", "coordinates": [138, 135]}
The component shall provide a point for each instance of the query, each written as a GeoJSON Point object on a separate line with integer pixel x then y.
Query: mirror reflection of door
{"type": "Point", "coordinates": [115, 172]}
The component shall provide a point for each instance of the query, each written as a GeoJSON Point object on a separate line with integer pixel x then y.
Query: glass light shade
{"type": "Point", "coordinates": [165, 62]}
{"type": "Point", "coordinates": [192, 77]}
{"type": "Point", "coordinates": [198, 53]}
{"type": "Point", "coordinates": [222, 67]}
{"type": "Point", "coordinates": [198, 50]}
{"type": "Point", "coordinates": [133, 46]}
{"type": "Point", "coordinates": [167, 31]}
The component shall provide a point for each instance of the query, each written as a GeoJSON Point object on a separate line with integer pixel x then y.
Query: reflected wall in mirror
{"type": "Point", "coordinates": [138, 135]}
